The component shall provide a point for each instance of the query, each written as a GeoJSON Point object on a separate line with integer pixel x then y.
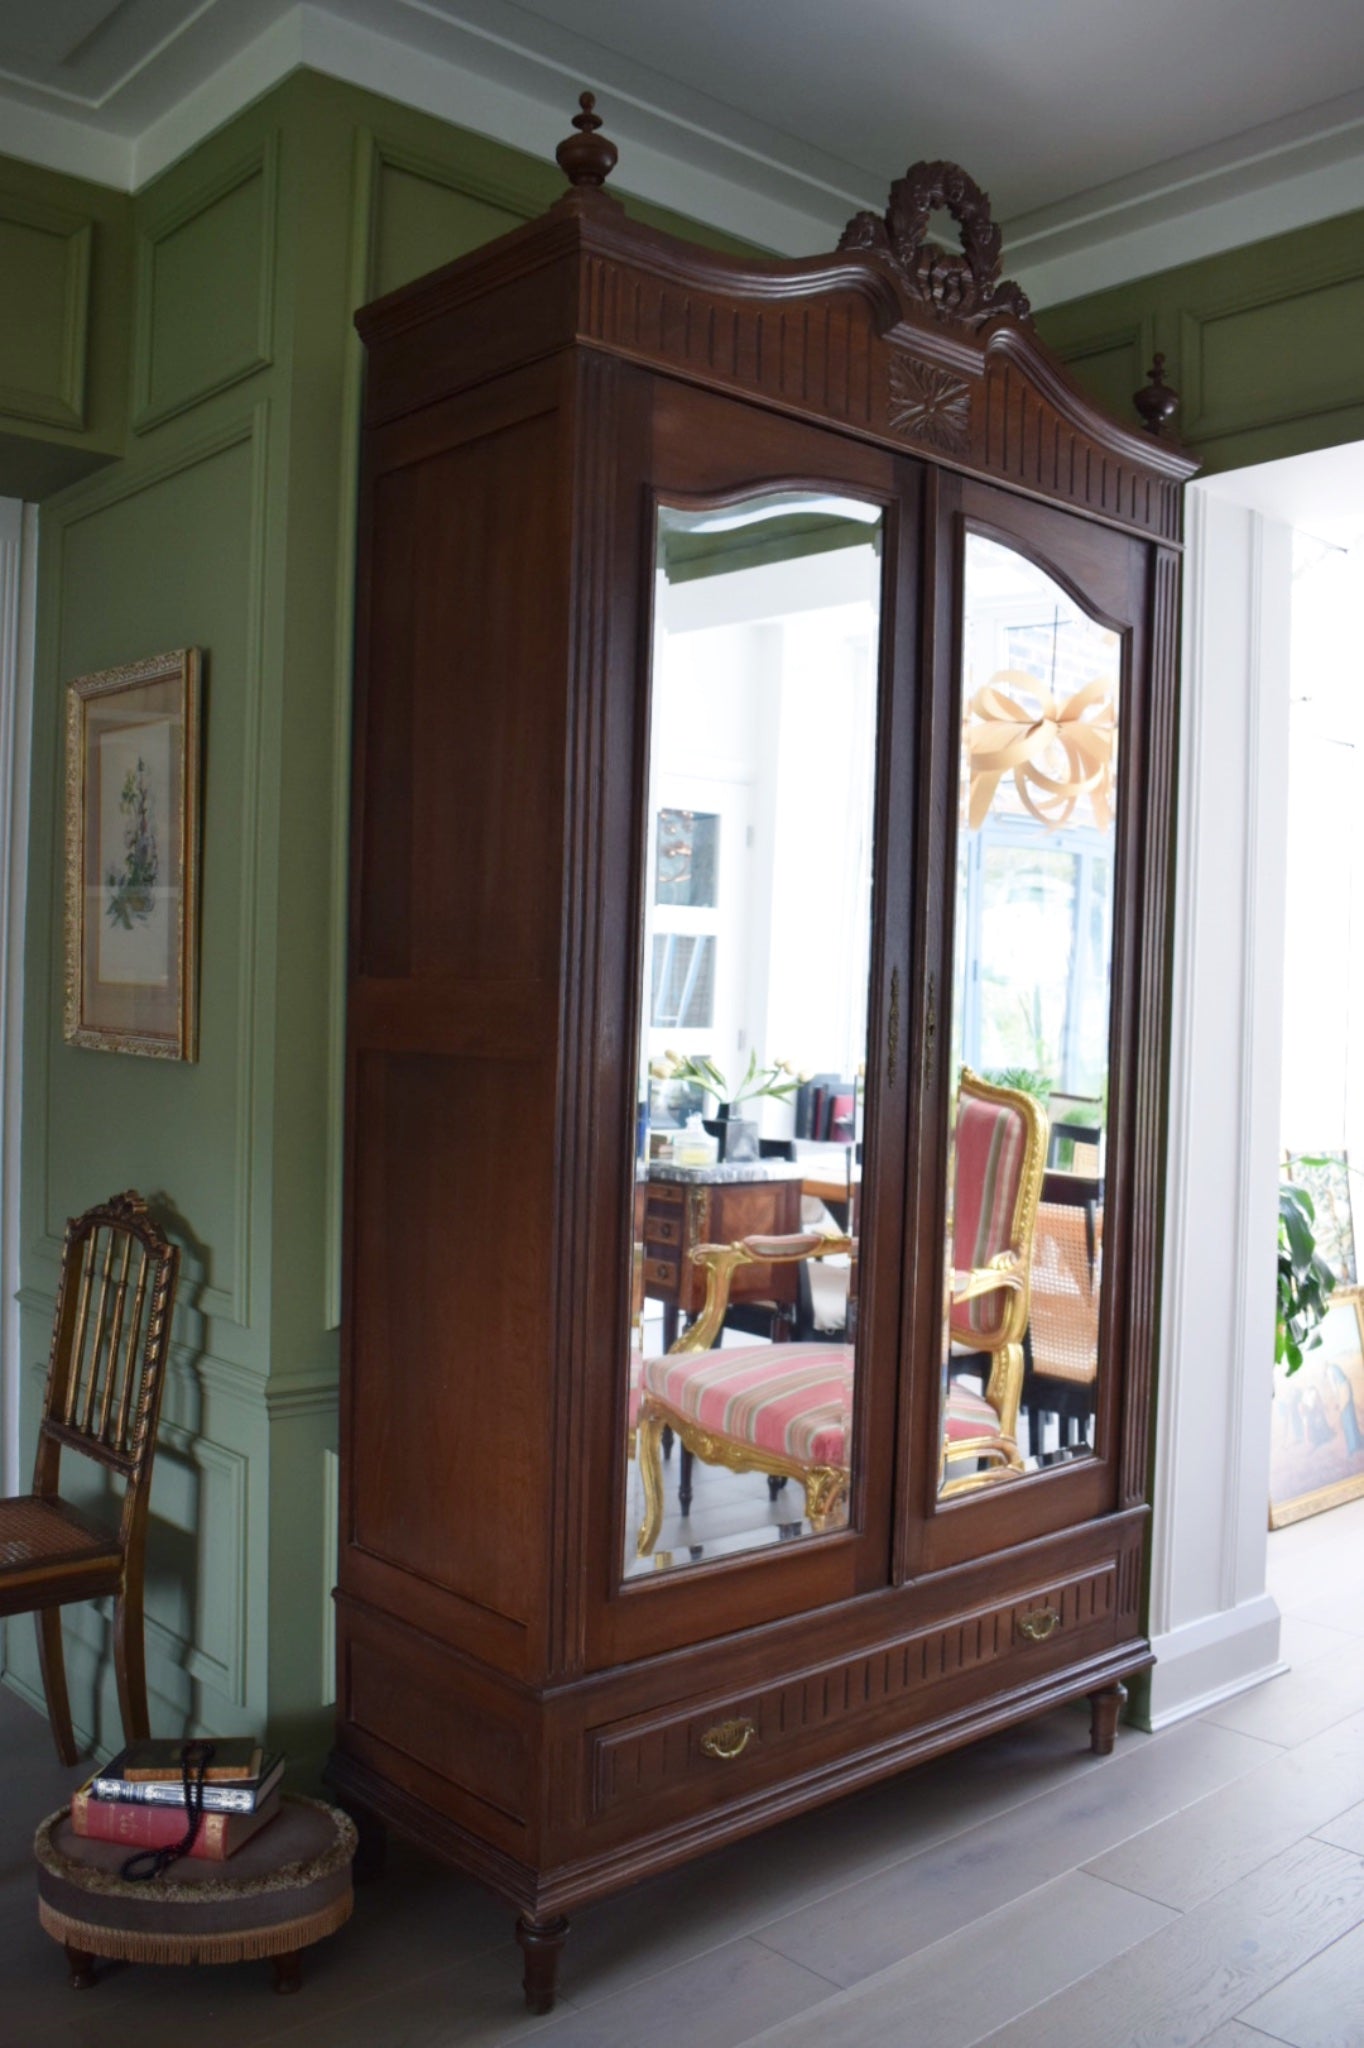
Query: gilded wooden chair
{"type": "Point", "coordinates": [781, 1409]}
{"type": "Point", "coordinates": [106, 1368]}
{"type": "Point", "coordinates": [1000, 1155]}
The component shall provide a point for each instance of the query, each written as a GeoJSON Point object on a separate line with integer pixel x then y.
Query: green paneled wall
{"type": "Point", "coordinates": [1262, 343]}
{"type": "Point", "coordinates": [227, 523]}
{"type": "Point", "coordinates": [180, 542]}
{"type": "Point", "coordinates": [65, 280]}
{"type": "Point", "coordinates": [205, 287]}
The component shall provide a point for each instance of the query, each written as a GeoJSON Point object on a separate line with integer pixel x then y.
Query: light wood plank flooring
{"type": "Point", "coordinates": [1203, 1886]}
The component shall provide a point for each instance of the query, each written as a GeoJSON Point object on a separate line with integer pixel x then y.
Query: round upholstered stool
{"type": "Point", "coordinates": [287, 1887]}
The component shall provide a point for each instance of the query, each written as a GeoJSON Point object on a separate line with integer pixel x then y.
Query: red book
{"type": "Point", "coordinates": [140, 1826]}
{"type": "Point", "coordinates": [841, 1108]}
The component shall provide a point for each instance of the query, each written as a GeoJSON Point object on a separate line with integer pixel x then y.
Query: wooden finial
{"type": "Point", "coordinates": [586, 158]}
{"type": "Point", "coordinates": [1156, 403]}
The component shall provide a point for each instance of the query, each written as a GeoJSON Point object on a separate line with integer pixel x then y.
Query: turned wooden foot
{"type": "Point", "coordinates": [1104, 1709]}
{"type": "Point", "coordinates": [288, 1972]}
{"type": "Point", "coordinates": [541, 1942]}
{"type": "Point", "coordinates": [82, 1967]}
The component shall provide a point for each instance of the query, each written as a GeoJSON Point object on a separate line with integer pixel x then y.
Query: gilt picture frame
{"type": "Point", "coordinates": [132, 857]}
{"type": "Point", "coordinates": [1316, 1458]}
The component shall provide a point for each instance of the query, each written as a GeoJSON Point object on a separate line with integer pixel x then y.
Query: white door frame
{"type": "Point", "coordinates": [1214, 1628]}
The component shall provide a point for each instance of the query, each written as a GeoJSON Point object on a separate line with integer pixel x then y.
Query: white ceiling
{"type": "Point", "coordinates": [1149, 129]}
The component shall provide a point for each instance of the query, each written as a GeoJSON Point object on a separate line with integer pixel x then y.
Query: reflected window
{"type": "Point", "coordinates": [685, 858]}
{"type": "Point", "coordinates": [683, 982]}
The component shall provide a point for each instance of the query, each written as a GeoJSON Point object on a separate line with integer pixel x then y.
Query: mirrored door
{"type": "Point", "coordinates": [1038, 820]}
{"type": "Point", "coordinates": [740, 1366]}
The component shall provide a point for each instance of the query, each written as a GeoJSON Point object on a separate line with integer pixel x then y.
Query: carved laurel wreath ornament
{"type": "Point", "coordinates": [965, 286]}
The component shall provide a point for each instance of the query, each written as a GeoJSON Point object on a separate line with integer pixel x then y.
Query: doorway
{"type": "Point", "coordinates": [1214, 1627]}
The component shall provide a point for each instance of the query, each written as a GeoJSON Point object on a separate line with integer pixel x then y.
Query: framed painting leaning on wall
{"type": "Point", "coordinates": [1316, 1457]}
{"type": "Point", "coordinates": [132, 859]}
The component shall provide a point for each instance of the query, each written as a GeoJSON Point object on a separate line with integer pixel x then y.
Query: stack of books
{"type": "Point", "coordinates": [138, 1799]}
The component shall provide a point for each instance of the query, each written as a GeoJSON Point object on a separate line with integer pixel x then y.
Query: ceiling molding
{"type": "Point", "coordinates": [1265, 182]}
{"type": "Point", "coordinates": [253, 71]}
{"type": "Point", "coordinates": [1115, 252]}
{"type": "Point", "coordinates": [56, 142]}
{"type": "Point", "coordinates": [678, 147]}
{"type": "Point", "coordinates": [785, 214]}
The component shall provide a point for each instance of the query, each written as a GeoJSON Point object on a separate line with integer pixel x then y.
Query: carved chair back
{"type": "Point", "coordinates": [110, 1339]}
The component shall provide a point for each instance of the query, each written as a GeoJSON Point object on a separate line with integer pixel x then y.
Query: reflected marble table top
{"type": "Point", "coordinates": [741, 1170]}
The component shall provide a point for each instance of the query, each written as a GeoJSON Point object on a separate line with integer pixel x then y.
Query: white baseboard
{"type": "Point", "coordinates": [1211, 1660]}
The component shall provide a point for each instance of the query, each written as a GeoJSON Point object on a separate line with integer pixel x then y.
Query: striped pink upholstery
{"type": "Point", "coordinates": [792, 1399]}
{"type": "Point", "coordinates": [969, 1414]}
{"type": "Point", "coordinates": [992, 1142]}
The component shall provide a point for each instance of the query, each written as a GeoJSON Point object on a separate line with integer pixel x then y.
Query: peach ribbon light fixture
{"type": "Point", "coordinates": [1059, 752]}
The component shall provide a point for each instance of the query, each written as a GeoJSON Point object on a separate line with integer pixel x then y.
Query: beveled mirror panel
{"type": "Point", "coordinates": [739, 1366]}
{"type": "Point", "coordinates": [1032, 963]}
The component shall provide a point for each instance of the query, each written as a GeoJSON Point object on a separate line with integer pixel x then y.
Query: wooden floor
{"type": "Point", "coordinates": [1205, 1885]}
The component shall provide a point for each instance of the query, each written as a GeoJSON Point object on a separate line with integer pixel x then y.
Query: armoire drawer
{"type": "Point", "coordinates": [686, 1756]}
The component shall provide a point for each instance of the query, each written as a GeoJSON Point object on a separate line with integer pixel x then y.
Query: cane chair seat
{"type": "Point", "coordinates": [52, 1536]}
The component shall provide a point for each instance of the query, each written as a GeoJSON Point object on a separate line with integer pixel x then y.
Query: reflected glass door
{"type": "Point", "coordinates": [740, 1365]}
{"type": "Point", "coordinates": [1041, 684]}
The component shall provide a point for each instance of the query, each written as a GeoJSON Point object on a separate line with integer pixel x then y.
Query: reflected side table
{"type": "Point", "coordinates": [690, 1205]}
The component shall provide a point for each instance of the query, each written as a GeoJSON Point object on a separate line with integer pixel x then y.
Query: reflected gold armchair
{"type": "Point", "coordinates": [106, 1369]}
{"type": "Point", "coordinates": [781, 1409]}
{"type": "Point", "coordinates": [1000, 1156]}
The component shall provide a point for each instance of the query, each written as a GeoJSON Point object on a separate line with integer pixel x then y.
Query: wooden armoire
{"type": "Point", "coordinates": [607, 477]}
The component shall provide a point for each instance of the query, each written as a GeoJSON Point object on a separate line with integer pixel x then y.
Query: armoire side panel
{"type": "Point", "coordinates": [463, 820]}
{"type": "Point", "coordinates": [454, 1345]}
{"type": "Point", "coordinates": [453, 1023]}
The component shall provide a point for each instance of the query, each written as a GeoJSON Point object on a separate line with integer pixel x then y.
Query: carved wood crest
{"type": "Point", "coordinates": [961, 286]}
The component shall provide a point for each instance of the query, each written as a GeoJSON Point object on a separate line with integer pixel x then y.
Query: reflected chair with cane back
{"type": "Point", "coordinates": [106, 1370]}
{"type": "Point", "coordinates": [1000, 1154]}
{"type": "Point", "coordinates": [1063, 1332]}
{"type": "Point", "coordinates": [781, 1409]}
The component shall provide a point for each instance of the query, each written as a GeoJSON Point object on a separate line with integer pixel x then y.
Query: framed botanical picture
{"type": "Point", "coordinates": [1316, 1457]}
{"type": "Point", "coordinates": [132, 820]}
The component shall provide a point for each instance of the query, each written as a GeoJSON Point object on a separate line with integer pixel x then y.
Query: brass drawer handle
{"type": "Point", "coordinates": [728, 1739]}
{"type": "Point", "coordinates": [1037, 1627]}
